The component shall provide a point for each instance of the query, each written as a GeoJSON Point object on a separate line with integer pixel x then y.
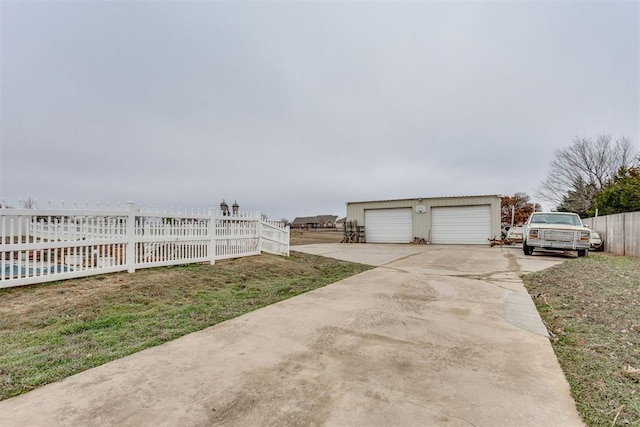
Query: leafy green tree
{"type": "Point", "coordinates": [621, 194]}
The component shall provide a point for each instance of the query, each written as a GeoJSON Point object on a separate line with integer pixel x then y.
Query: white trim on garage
{"type": "Point", "coordinates": [388, 225]}
{"type": "Point", "coordinates": [461, 224]}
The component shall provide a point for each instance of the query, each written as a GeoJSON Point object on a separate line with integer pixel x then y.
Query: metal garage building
{"type": "Point", "coordinates": [439, 220]}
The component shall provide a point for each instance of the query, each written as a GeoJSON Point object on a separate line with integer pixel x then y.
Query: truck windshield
{"type": "Point", "coordinates": [550, 218]}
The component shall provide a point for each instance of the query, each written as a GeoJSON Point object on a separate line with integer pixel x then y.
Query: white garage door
{"type": "Point", "coordinates": [388, 225]}
{"type": "Point", "coordinates": [461, 224]}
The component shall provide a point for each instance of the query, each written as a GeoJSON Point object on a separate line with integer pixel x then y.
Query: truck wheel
{"type": "Point", "coordinates": [582, 252]}
{"type": "Point", "coordinates": [528, 250]}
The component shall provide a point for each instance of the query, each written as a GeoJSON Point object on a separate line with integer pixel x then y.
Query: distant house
{"type": "Point", "coordinates": [340, 223]}
{"type": "Point", "coordinates": [313, 222]}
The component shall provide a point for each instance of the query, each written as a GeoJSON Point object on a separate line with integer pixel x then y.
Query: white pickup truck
{"type": "Point", "coordinates": [560, 231]}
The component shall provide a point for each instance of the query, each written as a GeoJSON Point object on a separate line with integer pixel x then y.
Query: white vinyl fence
{"type": "Point", "coordinates": [43, 245]}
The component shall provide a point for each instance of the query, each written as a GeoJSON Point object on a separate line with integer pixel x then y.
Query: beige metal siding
{"type": "Point", "coordinates": [422, 221]}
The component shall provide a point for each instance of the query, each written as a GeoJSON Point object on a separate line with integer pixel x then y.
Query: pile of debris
{"type": "Point", "coordinates": [353, 233]}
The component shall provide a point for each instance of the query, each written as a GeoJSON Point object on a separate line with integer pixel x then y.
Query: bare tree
{"type": "Point", "coordinates": [579, 171]}
{"type": "Point", "coordinates": [29, 203]}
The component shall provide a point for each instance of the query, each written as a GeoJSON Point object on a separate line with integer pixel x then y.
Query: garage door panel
{"type": "Point", "coordinates": [388, 225]}
{"type": "Point", "coordinates": [461, 224]}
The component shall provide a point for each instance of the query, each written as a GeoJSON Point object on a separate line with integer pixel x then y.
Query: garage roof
{"type": "Point", "coordinates": [429, 198]}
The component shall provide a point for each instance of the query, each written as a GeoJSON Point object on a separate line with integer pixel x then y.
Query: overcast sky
{"type": "Point", "coordinates": [294, 108]}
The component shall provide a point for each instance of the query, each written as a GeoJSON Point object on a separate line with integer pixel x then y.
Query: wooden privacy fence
{"type": "Point", "coordinates": [54, 244]}
{"type": "Point", "coordinates": [621, 232]}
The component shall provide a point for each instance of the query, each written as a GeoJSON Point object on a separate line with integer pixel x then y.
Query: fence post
{"type": "Point", "coordinates": [131, 237]}
{"type": "Point", "coordinates": [624, 234]}
{"type": "Point", "coordinates": [212, 236]}
{"type": "Point", "coordinates": [259, 228]}
{"type": "Point", "coordinates": [287, 236]}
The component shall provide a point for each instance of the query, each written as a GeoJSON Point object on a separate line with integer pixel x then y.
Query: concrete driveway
{"type": "Point", "coordinates": [436, 335]}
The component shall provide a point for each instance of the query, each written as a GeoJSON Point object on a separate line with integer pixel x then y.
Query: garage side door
{"type": "Point", "coordinates": [461, 224]}
{"type": "Point", "coordinates": [388, 225]}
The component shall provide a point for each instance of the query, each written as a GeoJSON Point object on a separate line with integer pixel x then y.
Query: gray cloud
{"type": "Point", "coordinates": [295, 108]}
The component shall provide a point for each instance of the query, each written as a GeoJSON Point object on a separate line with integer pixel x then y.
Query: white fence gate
{"type": "Point", "coordinates": [47, 245]}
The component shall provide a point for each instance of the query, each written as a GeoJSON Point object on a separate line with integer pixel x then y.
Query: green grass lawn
{"type": "Point", "coordinates": [54, 330]}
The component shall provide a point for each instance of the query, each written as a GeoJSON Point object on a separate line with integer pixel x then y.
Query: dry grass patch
{"type": "Point", "coordinates": [309, 237]}
{"type": "Point", "coordinates": [591, 306]}
{"type": "Point", "coordinates": [51, 331]}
